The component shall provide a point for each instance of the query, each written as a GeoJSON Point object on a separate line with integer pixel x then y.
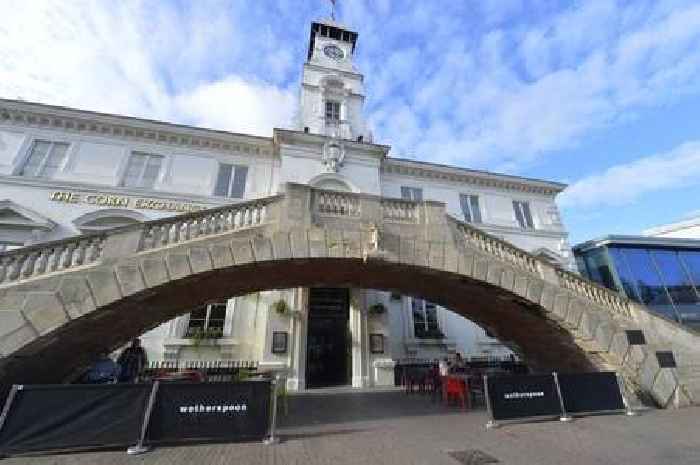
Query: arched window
{"type": "Point", "coordinates": [332, 182]}
{"type": "Point", "coordinates": [101, 220]}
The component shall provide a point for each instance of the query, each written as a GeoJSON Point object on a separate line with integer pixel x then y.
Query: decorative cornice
{"type": "Point", "coordinates": [30, 218]}
{"type": "Point", "coordinates": [462, 175]}
{"type": "Point", "coordinates": [39, 115]}
{"type": "Point", "coordinates": [317, 86]}
{"type": "Point", "coordinates": [281, 136]}
{"type": "Point", "coordinates": [334, 70]}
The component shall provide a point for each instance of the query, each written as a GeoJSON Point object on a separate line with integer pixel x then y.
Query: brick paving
{"type": "Point", "coordinates": [394, 429]}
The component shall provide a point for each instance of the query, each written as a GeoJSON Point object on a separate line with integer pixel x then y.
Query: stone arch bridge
{"type": "Point", "coordinates": [61, 302]}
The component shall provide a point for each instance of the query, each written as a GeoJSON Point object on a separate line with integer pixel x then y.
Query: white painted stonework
{"type": "Point", "coordinates": [86, 192]}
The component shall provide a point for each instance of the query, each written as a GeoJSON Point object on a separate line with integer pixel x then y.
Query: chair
{"type": "Point", "coordinates": [476, 387]}
{"type": "Point", "coordinates": [456, 387]}
{"type": "Point", "coordinates": [435, 382]}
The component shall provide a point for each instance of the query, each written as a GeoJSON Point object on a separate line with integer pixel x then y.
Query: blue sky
{"type": "Point", "coordinates": [603, 95]}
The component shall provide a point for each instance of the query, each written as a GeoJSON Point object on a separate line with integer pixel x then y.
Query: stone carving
{"type": "Point", "coordinates": [372, 248]}
{"type": "Point", "coordinates": [333, 155]}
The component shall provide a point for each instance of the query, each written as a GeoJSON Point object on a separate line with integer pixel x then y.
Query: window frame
{"type": "Point", "coordinates": [40, 168]}
{"type": "Point", "coordinates": [231, 180]}
{"type": "Point", "coordinates": [332, 120]}
{"type": "Point", "coordinates": [148, 156]}
{"type": "Point", "coordinates": [519, 206]}
{"type": "Point", "coordinates": [470, 207]}
{"type": "Point", "coordinates": [208, 320]}
{"type": "Point", "coordinates": [422, 306]}
{"type": "Point", "coordinates": [412, 190]}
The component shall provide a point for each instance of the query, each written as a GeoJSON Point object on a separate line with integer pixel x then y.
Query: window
{"type": "Point", "coordinates": [142, 170]}
{"type": "Point", "coordinates": [425, 322]}
{"type": "Point", "coordinates": [649, 284]}
{"type": "Point", "coordinates": [522, 214]}
{"type": "Point", "coordinates": [625, 275]}
{"type": "Point", "coordinates": [598, 269]}
{"type": "Point", "coordinates": [691, 262]}
{"type": "Point", "coordinates": [470, 208]}
{"type": "Point", "coordinates": [230, 181]}
{"type": "Point", "coordinates": [208, 321]}
{"type": "Point", "coordinates": [45, 158]}
{"type": "Point", "coordinates": [412, 193]}
{"type": "Point", "coordinates": [332, 112]}
{"type": "Point", "coordinates": [678, 285]}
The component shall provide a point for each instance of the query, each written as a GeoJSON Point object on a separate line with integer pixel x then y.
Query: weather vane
{"type": "Point", "coordinates": [332, 9]}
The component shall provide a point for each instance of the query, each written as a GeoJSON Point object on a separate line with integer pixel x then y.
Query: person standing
{"type": "Point", "coordinates": [132, 362]}
{"type": "Point", "coordinates": [444, 367]}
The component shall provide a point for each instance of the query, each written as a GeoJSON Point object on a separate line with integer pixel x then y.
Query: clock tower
{"type": "Point", "coordinates": [332, 94]}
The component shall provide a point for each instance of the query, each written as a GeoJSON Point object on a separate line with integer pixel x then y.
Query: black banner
{"type": "Point", "coordinates": [65, 417]}
{"type": "Point", "coordinates": [523, 396]}
{"type": "Point", "coordinates": [590, 392]}
{"type": "Point", "coordinates": [210, 411]}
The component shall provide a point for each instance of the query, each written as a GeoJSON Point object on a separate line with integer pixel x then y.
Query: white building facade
{"type": "Point", "coordinates": [65, 171]}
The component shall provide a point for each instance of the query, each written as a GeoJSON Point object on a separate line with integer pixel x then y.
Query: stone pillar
{"type": "Point", "coordinates": [360, 338]}
{"type": "Point", "coordinates": [297, 349]}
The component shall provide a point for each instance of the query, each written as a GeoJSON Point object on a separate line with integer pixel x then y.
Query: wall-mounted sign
{"type": "Point", "coordinates": [279, 342]}
{"type": "Point", "coordinates": [376, 343]}
{"type": "Point", "coordinates": [123, 201]}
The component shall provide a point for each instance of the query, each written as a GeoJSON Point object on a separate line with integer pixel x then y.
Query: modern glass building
{"type": "Point", "coordinates": [662, 273]}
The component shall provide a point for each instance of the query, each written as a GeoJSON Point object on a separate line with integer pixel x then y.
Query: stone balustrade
{"type": "Point", "coordinates": [29, 262]}
{"type": "Point", "coordinates": [182, 228]}
{"type": "Point", "coordinates": [400, 211]}
{"type": "Point", "coordinates": [498, 248]}
{"type": "Point", "coordinates": [332, 203]}
{"type": "Point", "coordinates": [90, 273]}
{"type": "Point", "coordinates": [593, 292]}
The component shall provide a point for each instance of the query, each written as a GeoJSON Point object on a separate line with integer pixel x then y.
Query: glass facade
{"type": "Point", "coordinates": [665, 278]}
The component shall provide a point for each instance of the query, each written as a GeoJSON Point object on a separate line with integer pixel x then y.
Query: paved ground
{"type": "Point", "coordinates": [394, 429]}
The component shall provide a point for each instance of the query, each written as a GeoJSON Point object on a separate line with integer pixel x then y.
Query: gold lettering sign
{"type": "Point", "coordinates": [121, 201]}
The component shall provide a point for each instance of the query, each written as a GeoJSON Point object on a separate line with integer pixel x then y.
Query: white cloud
{"type": "Point", "coordinates": [512, 96]}
{"type": "Point", "coordinates": [498, 85]}
{"type": "Point", "coordinates": [625, 183]}
{"type": "Point", "coordinates": [149, 60]}
{"type": "Point", "coordinates": [233, 103]}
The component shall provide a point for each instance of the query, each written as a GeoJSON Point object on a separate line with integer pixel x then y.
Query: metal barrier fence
{"type": "Point", "coordinates": [60, 418]}
{"type": "Point", "coordinates": [211, 371]}
{"type": "Point", "coordinates": [556, 395]}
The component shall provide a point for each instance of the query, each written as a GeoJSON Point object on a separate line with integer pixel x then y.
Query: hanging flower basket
{"type": "Point", "coordinates": [281, 307]}
{"type": "Point", "coordinates": [377, 309]}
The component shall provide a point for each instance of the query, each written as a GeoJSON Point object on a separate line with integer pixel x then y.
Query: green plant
{"type": "Point", "coordinates": [281, 307]}
{"type": "Point", "coordinates": [197, 335]}
{"type": "Point", "coordinates": [377, 309]}
{"type": "Point", "coordinates": [432, 333]}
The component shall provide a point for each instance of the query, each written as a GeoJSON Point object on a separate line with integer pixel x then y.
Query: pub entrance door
{"type": "Point", "coordinates": [328, 345]}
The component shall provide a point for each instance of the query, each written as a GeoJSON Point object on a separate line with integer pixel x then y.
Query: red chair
{"type": "Point", "coordinates": [456, 388]}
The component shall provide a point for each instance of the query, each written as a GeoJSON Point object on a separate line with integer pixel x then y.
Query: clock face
{"type": "Point", "coordinates": [334, 52]}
